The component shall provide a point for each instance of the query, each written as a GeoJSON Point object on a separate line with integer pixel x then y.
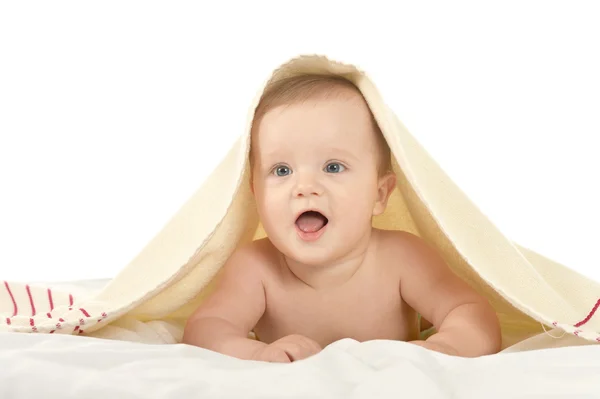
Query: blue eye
{"type": "Point", "coordinates": [282, 171]}
{"type": "Point", "coordinates": [334, 167]}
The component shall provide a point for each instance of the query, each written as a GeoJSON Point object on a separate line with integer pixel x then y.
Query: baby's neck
{"type": "Point", "coordinates": [331, 275]}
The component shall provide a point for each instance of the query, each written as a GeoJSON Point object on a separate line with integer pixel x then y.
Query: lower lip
{"type": "Point", "coordinates": [310, 236]}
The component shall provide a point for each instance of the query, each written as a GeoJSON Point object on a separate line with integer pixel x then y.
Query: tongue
{"type": "Point", "coordinates": [310, 222]}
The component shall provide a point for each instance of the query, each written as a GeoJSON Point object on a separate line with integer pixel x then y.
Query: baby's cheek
{"type": "Point", "coordinates": [274, 211]}
{"type": "Point", "coordinates": [357, 196]}
{"type": "Point", "coordinates": [356, 208]}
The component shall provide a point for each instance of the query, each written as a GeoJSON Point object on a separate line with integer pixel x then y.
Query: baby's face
{"type": "Point", "coordinates": [320, 155]}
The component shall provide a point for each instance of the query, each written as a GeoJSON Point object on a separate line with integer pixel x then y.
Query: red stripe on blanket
{"type": "Point", "coordinates": [590, 315]}
{"type": "Point", "coordinates": [70, 300]}
{"type": "Point", "coordinates": [15, 308]}
{"type": "Point", "coordinates": [31, 323]}
{"type": "Point", "coordinates": [30, 300]}
{"type": "Point", "coordinates": [86, 314]}
{"type": "Point", "coordinates": [8, 321]}
{"type": "Point", "coordinates": [50, 299]}
{"type": "Point", "coordinates": [61, 320]}
{"type": "Point", "coordinates": [49, 315]}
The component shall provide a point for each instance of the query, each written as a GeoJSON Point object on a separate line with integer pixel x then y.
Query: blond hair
{"type": "Point", "coordinates": [297, 89]}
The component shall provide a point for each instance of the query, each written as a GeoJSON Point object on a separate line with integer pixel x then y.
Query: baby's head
{"type": "Point", "coordinates": [317, 147]}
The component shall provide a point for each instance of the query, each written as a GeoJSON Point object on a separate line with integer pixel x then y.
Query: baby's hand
{"type": "Point", "coordinates": [288, 349]}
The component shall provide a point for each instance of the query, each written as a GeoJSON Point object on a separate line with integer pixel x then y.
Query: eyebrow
{"type": "Point", "coordinates": [276, 154]}
{"type": "Point", "coordinates": [345, 153]}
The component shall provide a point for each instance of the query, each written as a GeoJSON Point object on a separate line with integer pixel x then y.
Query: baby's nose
{"type": "Point", "coordinates": [307, 189]}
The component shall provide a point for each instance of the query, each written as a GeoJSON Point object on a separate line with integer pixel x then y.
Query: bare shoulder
{"type": "Point", "coordinates": [404, 246]}
{"type": "Point", "coordinates": [255, 261]}
{"type": "Point", "coordinates": [418, 263]}
{"type": "Point", "coordinates": [250, 260]}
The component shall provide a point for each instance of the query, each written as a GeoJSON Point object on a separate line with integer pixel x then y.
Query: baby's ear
{"type": "Point", "coordinates": [386, 186]}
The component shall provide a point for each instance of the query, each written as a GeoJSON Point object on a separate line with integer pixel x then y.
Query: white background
{"type": "Point", "coordinates": [112, 113]}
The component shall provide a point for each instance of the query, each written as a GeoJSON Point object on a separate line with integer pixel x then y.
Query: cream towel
{"type": "Point", "coordinates": [149, 300]}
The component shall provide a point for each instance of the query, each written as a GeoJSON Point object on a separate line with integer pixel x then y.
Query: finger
{"type": "Point", "coordinates": [298, 351]}
{"type": "Point", "coordinates": [305, 341]}
{"type": "Point", "coordinates": [272, 354]}
{"type": "Point", "coordinates": [277, 355]}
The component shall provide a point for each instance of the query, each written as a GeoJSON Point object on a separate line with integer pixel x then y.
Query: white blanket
{"type": "Point", "coordinates": [64, 366]}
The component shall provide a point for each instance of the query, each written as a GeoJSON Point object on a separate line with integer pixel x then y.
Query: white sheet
{"type": "Point", "coordinates": [59, 366]}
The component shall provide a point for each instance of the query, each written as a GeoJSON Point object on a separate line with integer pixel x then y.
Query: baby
{"type": "Point", "coordinates": [320, 171]}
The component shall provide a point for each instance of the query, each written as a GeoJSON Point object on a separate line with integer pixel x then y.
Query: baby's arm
{"type": "Point", "coordinates": [222, 322]}
{"type": "Point", "coordinates": [466, 323]}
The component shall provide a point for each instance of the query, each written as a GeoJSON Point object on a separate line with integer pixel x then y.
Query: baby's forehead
{"type": "Point", "coordinates": [346, 122]}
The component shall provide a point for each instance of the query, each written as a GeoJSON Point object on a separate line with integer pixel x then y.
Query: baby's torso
{"type": "Point", "coordinates": [367, 307]}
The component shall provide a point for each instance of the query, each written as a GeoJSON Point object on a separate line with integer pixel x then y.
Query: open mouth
{"type": "Point", "coordinates": [311, 221]}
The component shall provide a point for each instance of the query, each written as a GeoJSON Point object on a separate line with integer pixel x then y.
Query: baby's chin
{"type": "Point", "coordinates": [313, 260]}
{"type": "Point", "coordinates": [310, 255]}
